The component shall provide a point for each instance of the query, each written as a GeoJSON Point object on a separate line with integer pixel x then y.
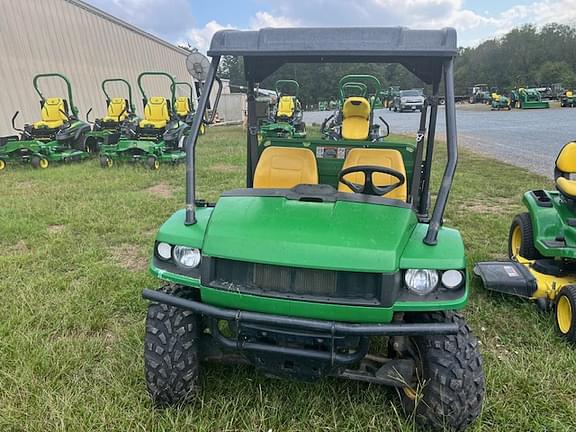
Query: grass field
{"type": "Point", "coordinates": [74, 243]}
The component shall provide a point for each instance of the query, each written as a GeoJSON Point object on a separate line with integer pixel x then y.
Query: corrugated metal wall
{"type": "Point", "coordinates": [70, 37]}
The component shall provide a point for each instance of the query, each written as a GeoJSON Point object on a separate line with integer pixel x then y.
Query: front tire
{"type": "Point", "coordinates": [450, 390]}
{"type": "Point", "coordinates": [171, 352]}
{"type": "Point", "coordinates": [565, 313]}
{"type": "Point", "coordinates": [521, 239]}
{"type": "Point", "coordinates": [105, 162]}
{"type": "Point", "coordinates": [38, 162]}
{"type": "Point", "coordinates": [152, 163]}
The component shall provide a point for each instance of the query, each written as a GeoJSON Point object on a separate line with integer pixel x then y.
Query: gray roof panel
{"type": "Point", "coordinates": [354, 42]}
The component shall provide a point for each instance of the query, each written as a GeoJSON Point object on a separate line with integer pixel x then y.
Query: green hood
{"type": "Point", "coordinates": [339, 235]}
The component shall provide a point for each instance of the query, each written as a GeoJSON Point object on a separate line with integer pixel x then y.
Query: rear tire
{"type": "Point", "coordinates": [521, 239]}
{"type": "Point", "coordinates": [171, 345]}
{"type": "Point", "coordinates": [565, 313]}
{"type": "Point", "coordinates": [450, 392]}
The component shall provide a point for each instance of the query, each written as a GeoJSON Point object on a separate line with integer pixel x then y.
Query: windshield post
{"type": "Point", "coordinates": [427, 169]}
{"type": "Point", "coordinates": [190, 142]}
{"type": "Point", "coordinates": [252, 135]}
{"type": "Point", "coordinates": [452, 147]}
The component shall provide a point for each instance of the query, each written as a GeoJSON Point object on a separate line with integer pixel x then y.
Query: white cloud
{"type": "Point", "coordinates": [200, 37]}
{"type": "Point", "coordinates": [264, 19]}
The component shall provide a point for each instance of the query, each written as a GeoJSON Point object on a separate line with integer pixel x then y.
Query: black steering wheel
{"type": "Point", "coordinates": [369, 187]}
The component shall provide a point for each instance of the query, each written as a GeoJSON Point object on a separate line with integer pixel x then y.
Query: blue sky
{"type": "Point", "coordinates": [194, 21]}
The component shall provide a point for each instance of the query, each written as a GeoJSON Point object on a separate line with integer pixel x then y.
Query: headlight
{"type": "Point", "coordinates": [164, 251]}
{"type": "Point", "coordinates": [421, 281]}
{"type": "Point", "coordinates": [187, 257]}
{"type": "Point", "coordinates": [452, 279]}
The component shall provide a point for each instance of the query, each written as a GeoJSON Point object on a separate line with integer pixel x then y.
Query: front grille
{"type": "Point", "coordinates": [295, 283]}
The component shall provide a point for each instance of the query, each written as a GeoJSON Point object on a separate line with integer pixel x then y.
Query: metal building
{"type": "Point", "coordinates": [82, 42]}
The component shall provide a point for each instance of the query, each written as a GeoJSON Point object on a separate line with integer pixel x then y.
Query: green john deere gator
{"type": "Point", "coordinates": [58, 137]}
{"type": "Point", "coordinates": [323, 253]}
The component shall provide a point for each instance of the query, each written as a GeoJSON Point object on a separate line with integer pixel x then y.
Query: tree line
{"type": "Point", "coordinates": [525, 56]}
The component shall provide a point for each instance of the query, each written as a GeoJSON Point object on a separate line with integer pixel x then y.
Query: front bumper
{"type": "Point", "coordinates": [333, 327]}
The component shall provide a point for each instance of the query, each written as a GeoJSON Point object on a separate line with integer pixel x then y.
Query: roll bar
{"type": "Point", "coordinates": [73, 107]}
{"type": "Point", "coordinates": [287, 83]}
{"type": "Point", "coordinates": [128, 86]}
{"type": "Point", "coordinates": [172, 83]}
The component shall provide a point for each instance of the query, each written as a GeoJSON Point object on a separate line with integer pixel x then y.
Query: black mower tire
{"type": "Point", "coordinates": [152, 163]}
{"type": "Point", "coordinates": [105, 162]}
{"type": "Point", "coordinates": [567, 330]}
{"type": "Point", "coordinates": [527, 248]}
{"type": "Point", "coordinates": [171, 351]}
{"type": "Point", "coordinates": [38, 162]}
{"type": "Point", "coordinates": [452, 384]}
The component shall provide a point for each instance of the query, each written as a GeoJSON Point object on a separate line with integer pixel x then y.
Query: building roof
{"type": "Point", "coordinates": [94, 10]}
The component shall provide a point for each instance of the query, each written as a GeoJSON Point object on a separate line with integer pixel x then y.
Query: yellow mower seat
{"type": "Point", "coordinates": [52, 114]}
{"type": "Point", "coordinates": [356, 118]}
{"type": "Point", "coordinates": [182, 106]}
{"type": "Point", "coordinates": [286, 107]}
{"type": "Point", "coordinates": [565, 166]}
{"type": "Point", "coordinates": [285, 167]}
{"type": "Point", "coordinates": [569, 93]}
{"type": "Point", "coordinates": [115, 108]}
{"type": "Point", "coordinates": [376, 157]}
{"type": "Point", "coordinates": [155, 113]}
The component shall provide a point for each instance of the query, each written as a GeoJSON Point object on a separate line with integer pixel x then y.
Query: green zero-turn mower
{"type": "Point", "coordinates": [287, 119]}
{"type": "Point", "coordinates": [542, 249]}
{"type": "Point", "coordinates": [356, 110]}
{"type": "Point", "coordinates": [330, 262]}
{"type": "Point", "coordinates": [58, 137]}
{"type": "Point", "coordinates": [499, 102]}
{"type": "Point", "coordinates": [120, 114]}
{"type": "Point", "coordinates": [157, 138]}
{"type": "Point", "coordinates": [184, 107]}
{"type": "Point", "coordinates": [568, 99]}
{"type": "Point", "coordinates": [527, 98]}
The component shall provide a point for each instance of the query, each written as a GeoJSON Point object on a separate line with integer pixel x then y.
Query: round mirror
{"type": "Point", "coordinates": [197, 65]}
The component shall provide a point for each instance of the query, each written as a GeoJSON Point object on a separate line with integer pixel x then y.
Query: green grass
{"type": "Point", "coordinates": [74, 244]}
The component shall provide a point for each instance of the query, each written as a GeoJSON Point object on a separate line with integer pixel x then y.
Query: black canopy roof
{"type": "Point", "coordinates": [265, 50]}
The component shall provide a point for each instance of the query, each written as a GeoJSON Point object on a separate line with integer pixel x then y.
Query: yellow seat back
{"type": "Point", "coordinates": [285, 167]}
{"type": "Point", "coordinates": [115, 108]}
{"type": "Point", "coordinates": [286, 106]}
{"type": "Point", "coordinates": [52, 113]}
{"type": "Point", "coordinates": [156, 113]}
{"type": "Point", "coordinates": [566, 161]}
{"type": "Point", "coordinates": [356, 118]}
{"type": "Point", "coordinates": [182, 106]}
{"type": "Point", "coordinates": [495, 96]}
{"type": "Point", "coordinates": [566, 165]}
{"type": "Point", "coordinates": [569, 93]}
{"type": "Point", "coordinates": [376, 157]}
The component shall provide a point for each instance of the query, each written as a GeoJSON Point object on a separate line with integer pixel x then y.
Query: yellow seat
{"type": "Point", "coordinates": [569, 93]}
{"type": "Point", "coordinates": [117, 110]}
{"type": "Point", "coordinates": [376, 157]}
{"type": "Point", "coordinates": [52, 114]}
{"type": "Point", "coordinates": [182, 106]}
{"type": "Point", "coordinates": [356, 118]}
{"type": "Point", "coordinates": [285, 167]}
{"type": "Point", "coordinates": [565, 166]}
{"type": "Point", "coordinates": [286, 107]}
{"type": "Point", "coordinates": [156, 113]}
